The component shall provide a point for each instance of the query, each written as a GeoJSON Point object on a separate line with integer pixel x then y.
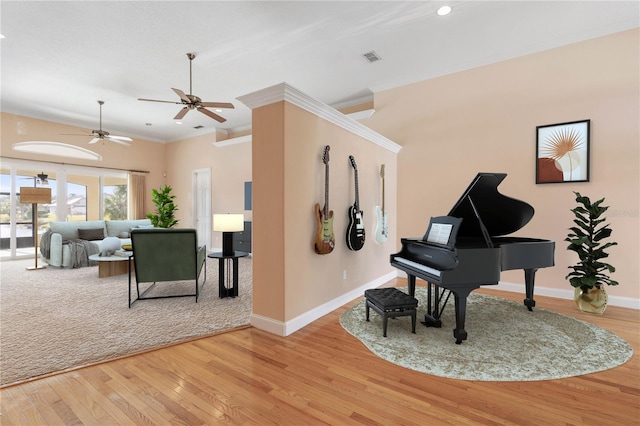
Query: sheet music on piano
{"type": "Point", "coordinates": [440, 233]}
{"type": "Point", "coordinates": [443, 231]}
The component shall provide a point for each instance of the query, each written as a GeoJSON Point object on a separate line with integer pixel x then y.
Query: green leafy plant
{"type": "Point", "coordinates": [165, 208]}
{"type": "Point", "coordinates": [587, 240]}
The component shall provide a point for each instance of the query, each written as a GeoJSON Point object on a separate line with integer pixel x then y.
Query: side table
{"type": "Point", "coordinates": [228, 267]}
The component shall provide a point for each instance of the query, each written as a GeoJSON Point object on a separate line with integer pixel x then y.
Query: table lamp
{"type": "Point", "coordinates": [35, 196]}
{"type": "Point", "coordinates": [228, 224]}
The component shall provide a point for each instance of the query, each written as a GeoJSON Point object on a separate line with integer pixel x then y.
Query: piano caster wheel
{"type": "Point", "coordinates": [458, 341]}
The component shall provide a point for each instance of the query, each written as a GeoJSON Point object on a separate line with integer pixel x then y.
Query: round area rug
{"type": "Point", "coordinates": [506, 342]}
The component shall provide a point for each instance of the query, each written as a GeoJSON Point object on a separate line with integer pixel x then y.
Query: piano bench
{"type": "Point", "coordinates": [391, 303]}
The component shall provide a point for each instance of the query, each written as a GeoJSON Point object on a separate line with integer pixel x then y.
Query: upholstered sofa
{"type": "Point", "coordinates": [95, 231]}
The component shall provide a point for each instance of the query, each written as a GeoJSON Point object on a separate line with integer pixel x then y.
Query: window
{"type": "Point", "coordinates": [78, 194]}
{"type": "Point", "coordinates": [115, 194]}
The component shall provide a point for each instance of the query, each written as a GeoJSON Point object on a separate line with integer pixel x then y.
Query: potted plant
{"type": "Point", "coordinates": [590, 274]}
{"type": "Point", "coordinates": [165, 208]}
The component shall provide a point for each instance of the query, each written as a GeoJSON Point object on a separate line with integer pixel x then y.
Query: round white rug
{"type": "Point", "coordinates": [506, 342]}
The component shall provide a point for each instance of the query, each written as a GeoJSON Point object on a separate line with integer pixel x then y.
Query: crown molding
{"type": "Point", "coordinates": [361, 115]}
{"type": "Point", "coordinates": [285, 92]}
{"type": "Point", "coordinates": [232, 141]}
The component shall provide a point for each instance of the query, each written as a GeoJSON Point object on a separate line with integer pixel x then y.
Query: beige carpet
{"type": "Point", "coordinates": [505, 342]}
{"type": "Point", "coordinates": [55, 319]}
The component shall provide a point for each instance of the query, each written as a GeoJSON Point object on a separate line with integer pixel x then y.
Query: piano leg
{"type": "Point", "coordinates": [461, 312]}
{"type": "Point", "coordinates": [411, 282]}
{"type": "Point", "coordinates": [529, 280]}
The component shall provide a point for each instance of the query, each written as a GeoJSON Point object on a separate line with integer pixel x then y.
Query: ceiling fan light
{"type": "Point", "coordinates": [43, 178]}
{"type": "Point", "coordinates": [444, 10]}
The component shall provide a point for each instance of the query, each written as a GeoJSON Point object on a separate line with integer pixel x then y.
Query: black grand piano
{"type": "Point", "coordinates": [467, 249]}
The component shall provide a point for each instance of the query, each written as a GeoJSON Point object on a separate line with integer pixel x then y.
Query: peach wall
{"type": "Point", "coordinates": [288, 181]}
{"type": "Point", "coordinates": [485, 120]}
{"type": "Point", "coordinates": [142, 155]}
{"type": "Point", "coordinates": [268, 211]}
{"type": "Point", "coordinates": [230, 167]}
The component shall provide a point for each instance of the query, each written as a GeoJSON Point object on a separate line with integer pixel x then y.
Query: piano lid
{"type": "Point", "coordinates": [483, 208]}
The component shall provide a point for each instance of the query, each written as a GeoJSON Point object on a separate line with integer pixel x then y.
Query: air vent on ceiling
{"type": "Point", "coordinates": [199, 127]}
{"type": "Point", "coordinates": [372, 56]}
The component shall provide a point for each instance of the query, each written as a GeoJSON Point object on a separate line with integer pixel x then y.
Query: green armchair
{"type": "Point", "coordinates": [163, 255]}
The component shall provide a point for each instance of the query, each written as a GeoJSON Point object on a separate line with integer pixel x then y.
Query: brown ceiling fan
{"type": "Point", "coordinates": [99, 135]}
{"type": "Point", "coordinates": [191, 101]}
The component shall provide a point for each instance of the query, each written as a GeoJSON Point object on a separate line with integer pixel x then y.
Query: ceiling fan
{"type": "Point", "coordinates": [191, 101]}
{"type": "Point", "coordinates": [100, 134]}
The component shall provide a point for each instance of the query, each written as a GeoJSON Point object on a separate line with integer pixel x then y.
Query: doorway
{"type": "Point", "coordinates": [201, 179]}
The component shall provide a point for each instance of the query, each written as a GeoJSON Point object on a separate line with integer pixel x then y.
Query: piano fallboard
{"type": "Point", "coordinates": [476, 266]}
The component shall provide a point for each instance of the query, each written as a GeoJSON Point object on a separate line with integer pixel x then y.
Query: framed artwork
{"type": "Point", "coordinates": [562, 152]}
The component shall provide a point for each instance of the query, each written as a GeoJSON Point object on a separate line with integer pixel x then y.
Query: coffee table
{"type": "Point", "coordinates": [109, 266]}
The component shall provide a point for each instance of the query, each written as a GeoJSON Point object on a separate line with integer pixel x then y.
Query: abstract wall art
{"type": "Point", "coordinates": [562, 152]}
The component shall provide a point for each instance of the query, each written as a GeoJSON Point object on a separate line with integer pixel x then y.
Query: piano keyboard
{"type": "Point", "coordinates": [418, 266]}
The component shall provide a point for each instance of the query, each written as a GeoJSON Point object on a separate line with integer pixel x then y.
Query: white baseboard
{"type": "Point", "coordinates": [622, 302]}
{"type": "Point", "coordinates": [286, 328]}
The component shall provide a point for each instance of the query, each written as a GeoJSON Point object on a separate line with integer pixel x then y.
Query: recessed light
{"type": "Point", "coordinates": [444, 10]}
{"type": "Point", "coordinates": [178, 122]}
{"type": "Point", "coordinates": [218, 110]}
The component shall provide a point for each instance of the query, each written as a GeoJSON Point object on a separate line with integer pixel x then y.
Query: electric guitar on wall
{"type": "Point", "coordinates": [324, 240]}
{"type": "Point", "coordinates": [382, 231]}
{"type": "Point", "coordinates": [355, 230]}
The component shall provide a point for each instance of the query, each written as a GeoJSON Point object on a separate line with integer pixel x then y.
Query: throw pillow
{"type": "Point", "coordinates": [144, 226]}
{"type": "Point", "coordinates": [91, 234]}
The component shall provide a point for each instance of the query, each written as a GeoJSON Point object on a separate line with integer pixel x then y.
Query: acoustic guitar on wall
{"type": "Point", "coordinates": [324, 240]}
{"type": "Point", "coordinates": [382, 230]}
{"type": "Point", "coordinates": [355, 230]}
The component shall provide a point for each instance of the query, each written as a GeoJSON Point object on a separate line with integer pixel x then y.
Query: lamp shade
{"type": "Point", "coordinates": [29, 195]}
{"type": "Point", "coordinates": [228, 222]}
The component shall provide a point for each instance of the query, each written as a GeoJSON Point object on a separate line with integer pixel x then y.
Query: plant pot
{"type": "Point", "coordinates": [593, 300]}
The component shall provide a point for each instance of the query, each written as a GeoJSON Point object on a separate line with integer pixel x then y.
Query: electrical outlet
{"type": "Point", "coordinates": [344, 274]}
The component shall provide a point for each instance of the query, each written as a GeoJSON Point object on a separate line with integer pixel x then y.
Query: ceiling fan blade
{"type": "Point", "coordinates": [217, 104]}
{"type": "Point", "coordinates": [155, 100]}
{"type": "Point", "coordinates": [182, 95]}
{"type": "Point", "coordinates": [181, 114]}
{"type": "Point", "coordinates": [94, 140]}
{"type": "Point", "coordinates": [212, 115]}
{"type": "Point", "coordinates": [120, 140]}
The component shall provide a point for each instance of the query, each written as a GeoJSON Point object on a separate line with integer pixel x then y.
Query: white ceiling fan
{"type": "Point", "coordinates": [100, 135]}
{"type": "Point", "coordinates": [191, 101]}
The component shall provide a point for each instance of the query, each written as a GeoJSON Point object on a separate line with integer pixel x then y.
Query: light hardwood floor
{"type": "Point", "coordinates": [320, 375]}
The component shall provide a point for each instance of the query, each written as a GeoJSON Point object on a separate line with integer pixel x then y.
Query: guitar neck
{"type": "Point", "coordinates": [383, 194]}
{"type": "Point", "coordinates": [326, 191]}
{"type": "Point", "coordinates": [357, 204]}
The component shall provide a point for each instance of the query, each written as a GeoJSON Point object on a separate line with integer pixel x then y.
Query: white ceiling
{"type": "Point", "coordinates": [60, 57]}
